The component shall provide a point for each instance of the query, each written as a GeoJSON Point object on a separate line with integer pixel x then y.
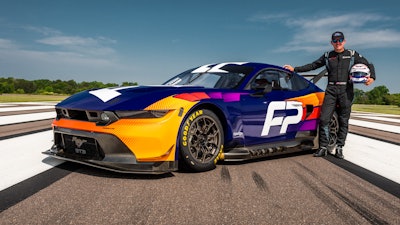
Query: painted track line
{"type": "Point", "coordinates": [379, 118]}
{"type": "Point", "coordinates": [377, 126]}
{"type": "Point", "coordinates": [25, 108]}
{"type": "Point", "coordinates": [22, 118]}
{"type": "Point", "coordinates": [376, 156]}
{"type": "Point", "coordinates": [22, 158]}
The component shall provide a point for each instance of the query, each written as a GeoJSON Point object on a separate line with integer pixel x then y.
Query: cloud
{"type": "Point", "coordinates": [56, 40]}
{"type": "Point", "coordinates": [84, 45]}
{"type": "Point", "coordinates": [68, 41]}
{"type": "Point", "coordinates": [47, 31]}
{"type": "Point", "coordinates": [312, 34]}
{"type": "Point", "coordinates": [48, 52]}
{"type": "Point", "coordinates": [266, 18]}
{"type": "Point", "coordinates": [64, 65]}
{"type": "Point", "coordinates": [75, 41]}
{"type": "Point", "coordinates": [327, 22]}
{"type": "Point", "coordinates": [7, 44]}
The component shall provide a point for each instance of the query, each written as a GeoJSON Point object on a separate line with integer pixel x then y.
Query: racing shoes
{"type": "Point", "coordinates": [322, 151]}
{"type": "Point", "coordinates": [339, 152]}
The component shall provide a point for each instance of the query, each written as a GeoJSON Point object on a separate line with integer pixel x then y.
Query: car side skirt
{"type": "Point", "coordinates": [304, 141]}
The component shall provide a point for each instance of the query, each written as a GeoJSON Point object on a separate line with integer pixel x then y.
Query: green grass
{"type": "Point", "coordinates": [30, 98]}
{"type": "Point", "coordinates": [387, 109]}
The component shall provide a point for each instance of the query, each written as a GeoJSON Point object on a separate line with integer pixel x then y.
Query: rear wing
{"type": "Point", "coordinates": [316, 77]}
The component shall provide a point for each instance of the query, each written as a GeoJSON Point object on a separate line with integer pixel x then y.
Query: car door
{"type": "Point", "coordinates": [266, 115]}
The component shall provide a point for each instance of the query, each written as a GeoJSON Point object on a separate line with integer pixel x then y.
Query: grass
{"type": "Point", "coordinates": [386, 109]}
{"type": "Point", "coordinates": [30, 98]}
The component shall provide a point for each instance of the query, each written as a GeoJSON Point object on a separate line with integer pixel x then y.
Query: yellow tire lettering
{"type": "Point", "coordinates": [187, 125]}
{"type": "Point", "coordinates": [220, 155]}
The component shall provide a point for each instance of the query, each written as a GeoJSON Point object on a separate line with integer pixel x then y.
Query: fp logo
{"type": "Point", "coordinates": [282, 121]}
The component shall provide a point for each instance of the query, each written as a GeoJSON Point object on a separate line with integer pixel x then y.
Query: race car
{"type": "Point", "coordinates": [229, 111]}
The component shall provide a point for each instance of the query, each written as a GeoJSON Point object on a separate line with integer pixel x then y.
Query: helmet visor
{"type": "Point", "coordinates": [359, 74]}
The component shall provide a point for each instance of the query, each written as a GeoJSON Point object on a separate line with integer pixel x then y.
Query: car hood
{"type": "Point", "coordinates": [123, 98]}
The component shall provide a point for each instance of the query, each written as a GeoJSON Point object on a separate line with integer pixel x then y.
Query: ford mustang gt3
{"type": "Point", "coordinates": [227, 111]}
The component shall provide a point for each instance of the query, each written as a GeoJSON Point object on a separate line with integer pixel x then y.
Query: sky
{"type": "Point", "coordinates": [149, 41]}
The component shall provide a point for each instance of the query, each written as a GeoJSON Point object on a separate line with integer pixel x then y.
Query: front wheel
{"type": "Point", "coordinates": [201, 140]}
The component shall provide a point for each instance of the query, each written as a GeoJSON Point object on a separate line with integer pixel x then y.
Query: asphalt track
{"type": "Point", "coordinates": [292, 189]}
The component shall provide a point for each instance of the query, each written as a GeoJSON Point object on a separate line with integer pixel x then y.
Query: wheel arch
{"type": "Point", "coordinates": [227, 129]}
{"type": "Point", "coordinates": [221, 116]}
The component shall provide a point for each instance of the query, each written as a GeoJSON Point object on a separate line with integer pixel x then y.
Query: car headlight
{"type": "Point", "coordinates": [141, 114]}
{"type": "Point", "coordinates": [106, 118]}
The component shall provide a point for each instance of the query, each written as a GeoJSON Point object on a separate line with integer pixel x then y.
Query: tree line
{"type": "Point", "coordinates": [44, 86]}
{"type": "Point", "coordinates": [379, 95]}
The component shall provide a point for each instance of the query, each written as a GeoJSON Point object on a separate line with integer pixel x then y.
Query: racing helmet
{"type": "Point", "coordinates": [359, 73]}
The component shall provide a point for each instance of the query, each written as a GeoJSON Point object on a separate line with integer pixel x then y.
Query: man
{"type": "Point", "coordinates": [339, 91]}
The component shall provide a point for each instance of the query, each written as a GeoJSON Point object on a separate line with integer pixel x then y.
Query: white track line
{"type": "Point", "coordinates": [5, 105]}
{"type": "Point", "coordinates": [29, 103]}
{"type": "Point", "coordinates": [21, 118]}
{"type": "Point", "coordinates": [358, 113]}
{"type": "Point", "coordinates": [377, 126]}
{"type": "Point", "coordinates": [376, 156]}
{"type": "Point", "coordinates": [379, 118]}
{"type": "Point", "coordinates": [23, 108]}
{"type": "Point", "coordinates": [22, 158]}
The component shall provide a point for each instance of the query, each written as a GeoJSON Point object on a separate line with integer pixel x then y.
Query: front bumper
{"type": "Point", "coordinates": [103, 151]}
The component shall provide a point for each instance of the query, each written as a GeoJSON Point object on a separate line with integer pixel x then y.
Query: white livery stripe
{"type": "Point", "coordinates": [105, 94]}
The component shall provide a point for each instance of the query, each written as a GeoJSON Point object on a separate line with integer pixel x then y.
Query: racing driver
{"type": "Point", "coordinates": [339, 92]}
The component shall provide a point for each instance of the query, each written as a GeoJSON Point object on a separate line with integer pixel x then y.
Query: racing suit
{"type": "Point", "coordinates": [339, 92]}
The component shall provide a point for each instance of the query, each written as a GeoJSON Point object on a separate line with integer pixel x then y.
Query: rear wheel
{"type": "Point", "coordinates": [333, 133]}
{"type": "Point", "coordinates": [201, 140]}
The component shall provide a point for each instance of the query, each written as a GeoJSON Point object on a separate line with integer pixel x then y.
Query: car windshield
{"type": "Point", "coordinates": [228, 79]}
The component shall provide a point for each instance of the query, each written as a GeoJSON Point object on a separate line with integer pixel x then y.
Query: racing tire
{"type": "Point", "coordinates": [333, 133]}
{"type": "Point", "coordinates": [201, 141]}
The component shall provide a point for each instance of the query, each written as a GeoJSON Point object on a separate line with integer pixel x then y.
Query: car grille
{"type": "Point", "coordinates": [79, 147]}
{"type": "Point", "coordinates": [82, 115]}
